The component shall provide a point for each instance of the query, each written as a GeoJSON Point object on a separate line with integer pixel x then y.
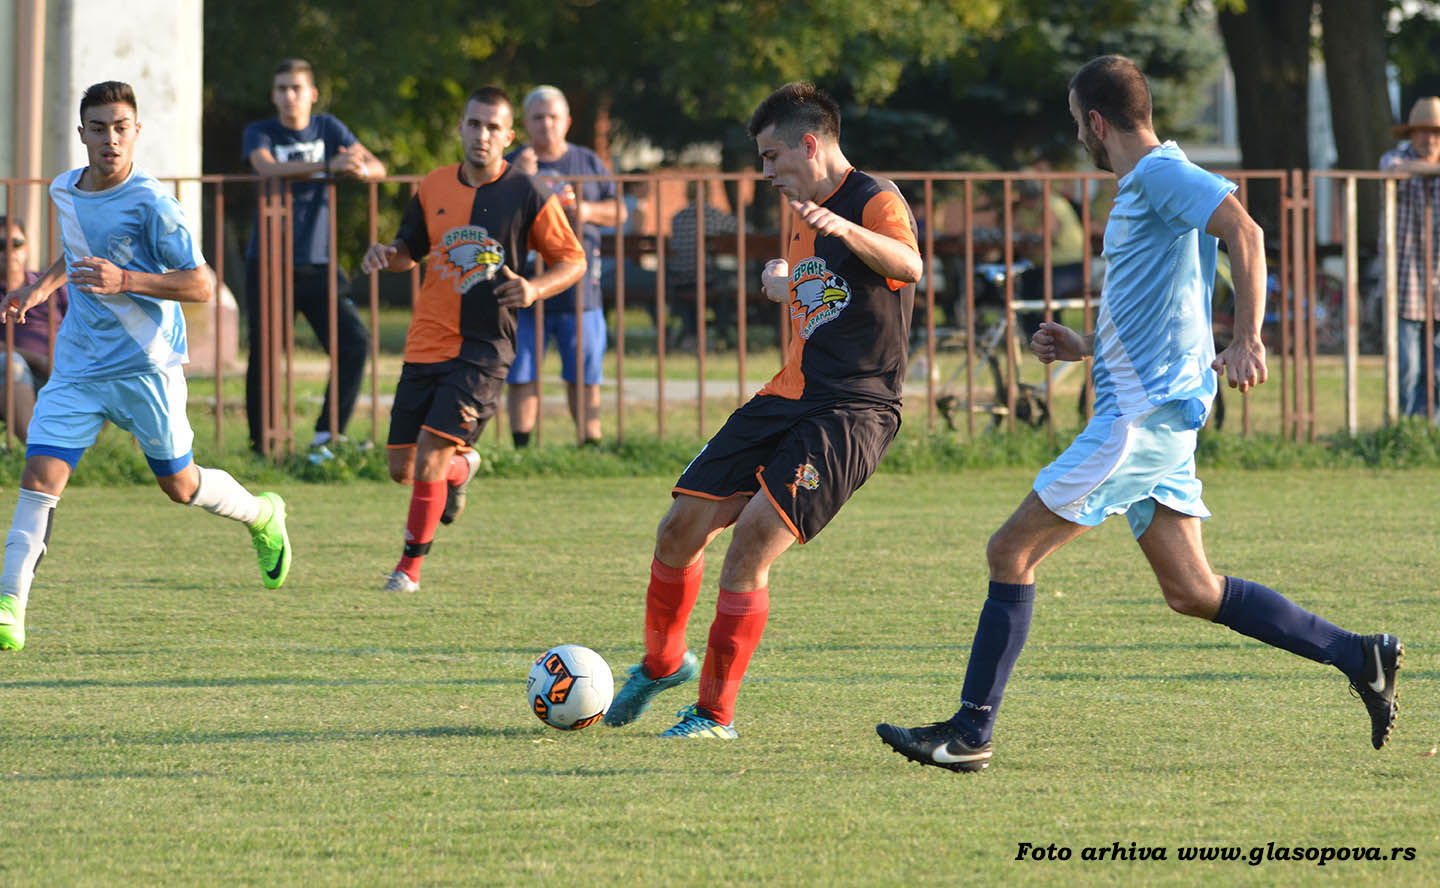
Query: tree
{"type": "Point", "coordinates": [1353, 39]}
{"type": "Point", "coordinates": [1268, 44]}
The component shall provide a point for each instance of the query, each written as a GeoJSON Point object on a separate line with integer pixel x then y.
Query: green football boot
{"type": "Point", "coordinates": [12, 624]}
{"type": "Point", "coordinates": [272, 543]}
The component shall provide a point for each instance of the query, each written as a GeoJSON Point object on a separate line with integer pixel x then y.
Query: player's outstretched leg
{"type": "Point", "coordinates": [271, 541]}
{"type": "Point", "coordinates": [696, 724]}
{"type": "Point", "coordinates": [25, 546]}
{"type": "Point", "coordinates": [462, 470]}
{"type": "Point", "coordinates": [639, 689]}
{"type": "Point", "coordinates": [1376, 685]}
{"type": "Point", "coordinates": [939, 744]}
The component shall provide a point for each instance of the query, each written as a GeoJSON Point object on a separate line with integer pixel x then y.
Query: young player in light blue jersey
{"type": "Point", "coordinates": [1154, 372]}
{"type": "Point", "coordinates": [131, 261]}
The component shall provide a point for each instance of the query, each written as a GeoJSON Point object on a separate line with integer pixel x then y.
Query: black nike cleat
{"type": "Point", "coordinates": [938, 744]}
{"type": "Point", "coordinates": [1376, 686]}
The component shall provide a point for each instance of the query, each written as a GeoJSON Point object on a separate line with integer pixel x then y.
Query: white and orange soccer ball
{"type": "Point", "coordinates": [570, 687]}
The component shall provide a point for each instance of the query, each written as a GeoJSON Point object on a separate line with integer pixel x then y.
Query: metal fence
{"type": "Point", "coordinates": [970, 304]}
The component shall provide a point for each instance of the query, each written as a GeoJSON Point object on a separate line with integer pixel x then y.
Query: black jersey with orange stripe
{"type": "Point", "coordinates": [468, 232]}
{"type": "Point", "coordinates": [849, 325]}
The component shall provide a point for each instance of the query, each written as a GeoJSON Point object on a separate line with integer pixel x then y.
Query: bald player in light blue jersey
{"type": "Point", "coordinates": [1155, 379]}
{"type": "Point", "coordinates": [130, 259]}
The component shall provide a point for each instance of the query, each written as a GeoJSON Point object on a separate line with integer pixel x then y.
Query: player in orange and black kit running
{"type": "Point", "coordinates": [476, 221]}
{"type": "Point", "coordinates": [786, 461]}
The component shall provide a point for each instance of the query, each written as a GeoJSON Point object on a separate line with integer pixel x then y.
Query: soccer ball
{"type": "Point", "coordinates": [570, 687]}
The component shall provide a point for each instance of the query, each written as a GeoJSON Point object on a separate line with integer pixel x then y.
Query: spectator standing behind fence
{"type": "Point", "coordinates": [547, 121]}
{"type": "Point", "coordinates": [306, 147]}
{"type": "Point", "coordinates": [29, 365]}
{"type": "Point", "coordinates": [1421, 158]}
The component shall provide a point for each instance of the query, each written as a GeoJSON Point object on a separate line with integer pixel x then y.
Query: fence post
{"type": "Point", "coordinates": [1352, 310]}
{"type": "Point", "coordinates": [1392, 333]}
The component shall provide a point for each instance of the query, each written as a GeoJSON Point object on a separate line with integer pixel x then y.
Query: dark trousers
{"type": "Point", "coordinates": [312, 301]}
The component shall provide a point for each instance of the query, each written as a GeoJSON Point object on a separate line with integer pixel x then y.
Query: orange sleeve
{"type": "Point", "coordinates": [552, 237]}
{"type": "Point", "coordinates": [887, 214]}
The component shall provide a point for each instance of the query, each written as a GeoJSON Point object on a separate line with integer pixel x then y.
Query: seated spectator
{"type": "Point", "coordinates": [28, 367]}
{"type": "Point", "coordinates": [681, 274]}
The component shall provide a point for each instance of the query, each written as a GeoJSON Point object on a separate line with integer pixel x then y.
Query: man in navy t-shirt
{"type": "Point", "coordinates": [305, 148]}
{"type": "Point", "coordinates": [547, 120]}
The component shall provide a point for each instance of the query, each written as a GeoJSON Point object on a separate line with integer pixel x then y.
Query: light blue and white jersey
{"type": "Point", "coordinates": [1153, 341]}
{"type": "Point", "coordinates": [139, 226]}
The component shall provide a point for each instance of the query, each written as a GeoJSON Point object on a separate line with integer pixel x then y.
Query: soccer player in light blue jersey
{"type": "Point", "coordinates": [130, 259]}
{"type": "Point", "coordinates": [1155, 379]}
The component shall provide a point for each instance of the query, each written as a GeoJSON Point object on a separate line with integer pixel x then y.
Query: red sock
{"type": "Point", "coordinates": [427, 501]}
{"type": "Point", "coordinates": [668, 602]}
{"type": "Point", "coordinates": [739, 623]}
{"type": "Point", "coordinates": [458, 470]}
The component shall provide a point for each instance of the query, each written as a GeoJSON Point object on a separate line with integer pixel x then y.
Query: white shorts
{"type": "Point", "coordinates": [1126, 464]}
{"type": "Point", "coordinates": [69, 414]}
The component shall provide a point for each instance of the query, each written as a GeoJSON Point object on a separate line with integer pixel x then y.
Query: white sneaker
{"type": "Point", "coordinates": [400, 581]}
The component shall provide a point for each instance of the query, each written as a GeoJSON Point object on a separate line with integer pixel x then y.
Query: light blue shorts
{"type": "Point", "coordinates": [1126, 464]}
{"type": "Point", "coordinates": [560, 329]}
{"type": "Point", "coordinates": [69, 414]}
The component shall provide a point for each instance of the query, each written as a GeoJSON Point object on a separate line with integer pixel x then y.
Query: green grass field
{"type": "Point", "coordinates": [171, 723]}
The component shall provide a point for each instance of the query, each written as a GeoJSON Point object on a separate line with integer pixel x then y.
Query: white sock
{"type": "Point", "coordinates": [220, 494]}
{"type": "Point", "coordinates": [26, 543]}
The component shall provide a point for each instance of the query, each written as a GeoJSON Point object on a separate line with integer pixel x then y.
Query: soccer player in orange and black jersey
{"type": "Point", "coordinates": [786, 461]}
{"type": "Point", "coordinates": [475, 221]}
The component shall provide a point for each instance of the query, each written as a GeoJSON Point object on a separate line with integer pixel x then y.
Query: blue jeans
{"type": "Point", "coordinates": [1411, 359]}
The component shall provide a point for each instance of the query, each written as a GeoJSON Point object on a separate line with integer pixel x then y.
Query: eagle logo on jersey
{"type": "Point", "coordinates": [819, 295]}
{"type": "Point", "coordinates": [470, 255]}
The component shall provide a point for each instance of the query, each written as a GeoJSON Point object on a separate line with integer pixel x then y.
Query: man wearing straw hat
{"type": "Point", "coordinates": [1421, 158]}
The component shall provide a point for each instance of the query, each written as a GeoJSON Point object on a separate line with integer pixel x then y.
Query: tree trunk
{"type": "Point", "coordinates": [1354, 45]}
{"type": "Point", "coordinates": [1269, 51]}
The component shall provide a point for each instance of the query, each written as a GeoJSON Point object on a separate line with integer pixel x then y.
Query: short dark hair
{"type": "Point", "coordinates": [296, 66]}
{"type": "Point", "coordinates": [491, 95]}
{"type": "Point", "coordinates": [1114, 86]}
{"type": "Point", "coordinates": [796, 109]}
{"type": "Point", "coordinates": [6, 222]}
{"type": "Point", "coordinates": [109, 92]}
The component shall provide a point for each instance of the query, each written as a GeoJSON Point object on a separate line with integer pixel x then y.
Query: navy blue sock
{"type": "Point", "coordinates": [1266, 615]}
{"type": "Point", "coordinates": [1004, 623]}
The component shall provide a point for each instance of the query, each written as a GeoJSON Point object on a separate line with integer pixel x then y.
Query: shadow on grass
{"type": "Point", "coordinates": [250, 681]}
{"type": "Point", "coordinates": [184, 738]}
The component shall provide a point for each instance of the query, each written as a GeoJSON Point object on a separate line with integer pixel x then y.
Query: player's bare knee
{"type": "Point", "coordinates": [1004, 556]}
{"type": "Point", "coordinates": [1184, 599]}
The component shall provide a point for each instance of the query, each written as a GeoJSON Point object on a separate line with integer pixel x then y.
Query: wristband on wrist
{"type": "Point", "coordinates": [124, 281]}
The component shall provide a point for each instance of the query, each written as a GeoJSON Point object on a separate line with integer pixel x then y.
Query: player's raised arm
{"type": "Point", "coordinates": [99, 276]}
{"type": "Point", "coordinates": [887, 256]}
{"type": "Point", "coordinates": [553, 238]}
{"type": "Point", "coordinates": [1243, 361]}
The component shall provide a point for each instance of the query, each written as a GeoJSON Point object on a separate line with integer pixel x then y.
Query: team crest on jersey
{"type": "Point", "coordinates": [120, 249]}
{"type": "Point", "coordinates": [818, 294]}
{"type": "Point", "coordinates": [470, 255]}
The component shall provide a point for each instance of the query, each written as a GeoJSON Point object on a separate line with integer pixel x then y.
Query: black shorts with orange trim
{"type": "Point", "coordinates": [454, 399]}
{"type": "Point", "coordinates": [808, 457]}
